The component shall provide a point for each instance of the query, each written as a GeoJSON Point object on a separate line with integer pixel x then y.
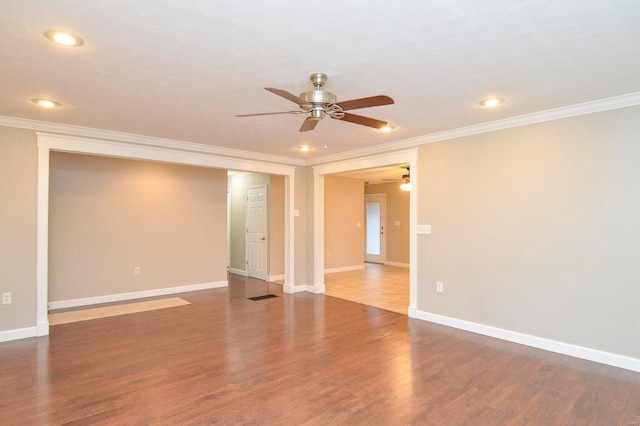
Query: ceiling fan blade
{"type": "Point", "coordinates": [309, 124]}
{"type": "Point", "coordinates": [270, 113]}
{"type": "Point", "coordinates": [365, 102]}
{"type": "Point", "coordinates": [365, 121]}
{"type": "Point", "coordinates": [287, 95]}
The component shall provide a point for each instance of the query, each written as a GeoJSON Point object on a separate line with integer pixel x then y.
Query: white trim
{"type": "Point", "coordinates": [303, 288]}
{"type": "Point", "coordinates": [110, 298]}
{"type": "Point", "coordinates": [589, 354]}
{"type": "Point", "coordinates": [344, 269]}
{"type": "Point", "coordinates": [154, 153]}
{"type": "Point", "coordinates": [42, 242]}
{"type": "Point", "coordinates": [237, 272]}
{"type": "Point", "coordinates": [400, 157]}
{"type": "Point", "coordinates": [600, 105]}
{"type": "Point", "coordinates": [50, 142]}
{"type": "Point", "coordinates": [150, 141]}
{"type": "Point", "coordinates": [18, 333]}
{"type": "Point", "coordinates": [400, 264]}
{"type": "Point", "coordinates": [272, 278]}
{"type": "Point", "coordinates": [624, 101]}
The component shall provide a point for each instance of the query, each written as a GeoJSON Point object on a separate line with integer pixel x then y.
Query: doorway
{"type": "Point", "coordinates": [375, 220]}
{"type": "Point", "coordinates": [256, 225]}
{"type": "Point", "coordinates": [408, 157]}
{"type": "Point", "coordinates": [257, 250]}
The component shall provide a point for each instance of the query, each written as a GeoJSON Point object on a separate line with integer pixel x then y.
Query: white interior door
{"type": "Point", "coordinates": [257, 232]}
{"type": "Point", "coordinates": [376, 241]}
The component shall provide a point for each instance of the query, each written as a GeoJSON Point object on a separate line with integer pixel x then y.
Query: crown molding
{"type": "Point", "coordinates": [88, 132]}
{"type": "Point", "coordinates": [631, 99]}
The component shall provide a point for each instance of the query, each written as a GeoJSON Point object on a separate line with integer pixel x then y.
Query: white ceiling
{"type": "Point", "coordinates": [182, 70]}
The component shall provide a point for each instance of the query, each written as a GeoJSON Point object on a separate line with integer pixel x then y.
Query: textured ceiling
{"type": "Point", "coordinates": [182, 70]}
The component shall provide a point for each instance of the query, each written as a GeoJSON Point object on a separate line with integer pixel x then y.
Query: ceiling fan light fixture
{"type": "Point", "coordinates": [45, 103]}
{"type": "Point", "coordinates": [305, 148]}
{"type": "Point", "coordinates": [491, 102]}
{"type": "Point", "coordinates": [63, 38]}
{"type": "Point", "coordinates": [406, 180]}
{"type": "Point", "coordinates": [386, 129]}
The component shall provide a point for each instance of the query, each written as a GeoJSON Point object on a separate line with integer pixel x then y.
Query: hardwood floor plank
{"type": "Point", "coordinates": [296, 359]}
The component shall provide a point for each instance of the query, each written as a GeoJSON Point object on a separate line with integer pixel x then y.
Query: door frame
{"type": "Point", "coordinates": [383, 225]}
{"type": "Point", "coordinates": [121, 145]}
{"type": "Point", "coordinates": [399, 157]}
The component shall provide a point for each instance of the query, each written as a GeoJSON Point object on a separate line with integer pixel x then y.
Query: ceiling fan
{"type": "Point", "coordinates": [319, 103]}
{"type": "Point", "coordinates": [405, 175]}
{"type": "Point", "coordinates": [405, 179]}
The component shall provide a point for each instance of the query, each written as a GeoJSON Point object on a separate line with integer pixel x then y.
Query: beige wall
{"type": "Point", "coordinates": [239, 183]}
{"type": "Point", "coordinates": [303, 226]}
{"type": "Point", "coordinates": [276, 225]}
{"type": "Point", "coordinates": [397, 220]}
{"type": "Point", "coordinates": [18, 209]}
{"type": "Point", "coordinates": [343, 222]}
{"type": "Point", "coordinates": [108, 215]}
{"type": "Point", "coordinates": [537, 230]}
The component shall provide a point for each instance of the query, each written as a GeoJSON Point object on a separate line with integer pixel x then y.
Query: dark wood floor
{"type": "Point", "coordinates": [297, 359]}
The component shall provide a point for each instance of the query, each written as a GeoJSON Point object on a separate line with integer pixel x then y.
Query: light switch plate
{"type": "Point", "coordinates": [424, 229]}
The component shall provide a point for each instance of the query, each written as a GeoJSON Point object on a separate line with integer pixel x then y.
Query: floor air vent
{"type": "Point", "coordinates": [266, 296]}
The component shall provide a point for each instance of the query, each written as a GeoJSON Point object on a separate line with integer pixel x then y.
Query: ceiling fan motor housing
{"type": "Point", "coordinates": [319, 97]}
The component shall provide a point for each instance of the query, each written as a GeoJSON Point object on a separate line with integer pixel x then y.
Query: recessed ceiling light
{"type": "Point", "coordinates": [304, 148]}
{"type": "Point", "coordinates": [46, 103]}
{"type": "Point", "coordinates": [385, 129]}
{"type": "Point", "coordinates": [491, 102]}
{"type": "Point", "coordinates": [66, 39]}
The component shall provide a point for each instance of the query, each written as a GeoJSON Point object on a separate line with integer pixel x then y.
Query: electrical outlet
{"type": "Point", "coordinates": [136, 270]}
{"type": "Point", "coordinates": [6, 298]}
{"type": "Point", "coordinates": [440, 287]}
{"type": "Point", "coordinates": [424, 229]}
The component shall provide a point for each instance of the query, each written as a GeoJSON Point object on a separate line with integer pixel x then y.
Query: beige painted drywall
{"type": "Point", "coordinates": [303, 226]}
{"type": "Point", "coordinates": [536, 230]}
{"type": "Point", "coordinates": [18, 210]}
{"type": "Point", "coordinates": [276, 225]}
{"type": "Point", "coordinates": [397, 218]}
{"type": "Point", "coordinates": [343, 222]}
{"type": "Point", "coordinates": [107, 216]}
{"type": "Point", "coordinates": [238, 184]}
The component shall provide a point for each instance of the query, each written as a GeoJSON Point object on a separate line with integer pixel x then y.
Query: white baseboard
{"type": "Point", "coordinates": [19, 333]}
{"type": "Point", "coordinates": [290, 289]}
{"type": "Point", "coordinates": [344, 269]}
{"type": "Point", "coordinates": [400, 264]}
{"type": "Point", "coordinates": [238, 272]}
{"type": "Point", "coordinates": [42, 328]}
{"type": "Point", "coordinates": [72, 303]}
{"type": "Point", "coordinates": [275, 277]}
{"type": "Point", "coordinates": [595, 355]}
